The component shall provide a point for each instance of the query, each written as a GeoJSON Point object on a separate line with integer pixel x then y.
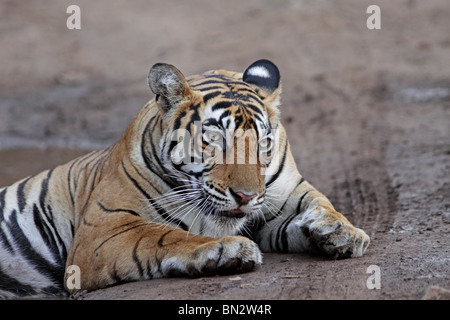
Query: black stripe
{"type": "Point", "coordinates": [3, 238]}
{"type": "Point", "coordinates": [222, 105]}
{"type": "Point", "coordinates": [284, 242]}
{"type": "Point", "coordinates": [251, 92]}
{"type": "Point", "coordinates": [225, 114]}
{"type": "Point", "coordinates": [270, 240]}
{"type": "Point", "coordinates": [211, 95]}
{"type": "Point", "coordinates": [61, 244]}
{"type": "Point", "coordinates": [217, 76]}
{"type": "Point", "coordinates": [161, 239]}
{"type": "Point", "coordinates": [177, 122]}
{"type": "Point", "coordinates": [238, 119]}
{"type": "Point", "coordinates": [46, 234]}
{"type": "Point", "coordinates": [76, 162]}
{"type": "Point", "coordinates": [119, 233]}
{"type": "Point", "coordinates": [100, 169]}
{"type": "Point", "coordinates": [209, 88]}
{"type": "Point", "coordinates": [135, 183]}
{"type": "Point", "coordinates": [2, 204]}
{"type": "Point", "coordinates": [47, 211]}
{"type": "Point", "coordinates": [55, 273]}
{"type": "Point", "coordinates": [223, 193]}
{"type": "Point", "coordinates": [43, 194]}
{"type": "Point", "coordinates": [136, 258]}
{"type": "Point", "coordinates": [212, 122]}
{"type": "Point", "coordinates": [14, 286]}
{"type": "Point", "coordinates": [134, 213]}
{"type": "Point", "coordinates": [279, 211]}
{"type": "Point", "coordinates": [144, 156]}
{"type": "Point", "coordinates": [69, 180]}
{"type": "Point", "coordinates": [115, 276]}
{"type": "Point", "coordinates": [94, 159]}
{"type": "Point", "coordinates": [284, 204]}
{"type": "Point", "coordinates": [299, 205]}
{"type": "Point", "coordinates": [95, 165]}
{"type": "Point", "coordinates": [158, 208]}
{"type": "Point", "coordinates": [72, 229]}
{"type": "Point", "coordinates": [95, 156]}
{"type": "Point", "coordinates": [146, 179]}
{"type": "Point", "coordinates": [127, 224]}
{"type": "Point", "coordinates": [21, 199]}
{"type": "Point", "coordinates": [54, 291]}
{"type": "Point", "coordinates": [282, 245]}
{"type": "Point", "coordinates": [283, 235]}
{"type": "Point", "coordinates": [216, 82]}
{"type": "Point", "coordinates": [216, 197]}
{"type": "Point", "coordinates": [155, 153]}
{"type": "Point", "coordinates": [254, 109]}
{"type": "Point", "coordinates": [278, 215]}
{"type": "Point", "coordinates": [194, 117]}
{"type": "Point", "coordinates": [304, 229]}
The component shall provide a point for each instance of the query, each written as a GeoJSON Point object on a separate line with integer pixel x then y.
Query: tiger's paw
{"type": "Point", "coordinates": [336, 237]}
{"type": "Point", "coordinates": [225, 255]}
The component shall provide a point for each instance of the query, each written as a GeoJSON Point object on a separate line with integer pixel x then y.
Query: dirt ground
{"type": "Point", "coordinates": [367, 113]}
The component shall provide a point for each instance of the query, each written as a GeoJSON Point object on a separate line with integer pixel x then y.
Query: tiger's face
{"type": "Point", "coordinates": [220, 139]}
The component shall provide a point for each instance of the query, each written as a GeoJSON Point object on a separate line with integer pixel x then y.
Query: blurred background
{"type": "Point", "coordinates": [367, 111]}
{"type": "Point", "coordinates": [81, 88]}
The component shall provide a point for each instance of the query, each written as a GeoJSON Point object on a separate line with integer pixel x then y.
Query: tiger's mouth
{"type": "Point", "coordinates": [236, 213]}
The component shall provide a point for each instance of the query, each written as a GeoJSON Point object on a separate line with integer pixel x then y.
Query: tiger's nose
{"type": "Point", "coordinates": [242, 198]}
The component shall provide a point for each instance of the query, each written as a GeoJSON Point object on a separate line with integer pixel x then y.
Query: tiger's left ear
{"type": "Point", "coordinates": [264, 77]}
{"type": "Point", "coordinates": [169, 85]}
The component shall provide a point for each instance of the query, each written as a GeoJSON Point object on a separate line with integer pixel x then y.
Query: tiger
{"type": "Point", "coordinates": [147, 207]}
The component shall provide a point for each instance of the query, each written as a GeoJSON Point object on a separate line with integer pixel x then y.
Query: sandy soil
{"type": "Point", "coordinates": [367, 112]}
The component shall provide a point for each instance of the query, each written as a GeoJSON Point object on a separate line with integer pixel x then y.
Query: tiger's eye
{"type": "Point", "coordinates": [264, 143]}
{"type": "Point", "coordinates": [213, 136]}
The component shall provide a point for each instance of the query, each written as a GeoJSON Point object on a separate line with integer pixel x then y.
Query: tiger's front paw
{"type": "Point", "coordinates": [236, 254]}
{"type": "Point", "coordinates": [335, 236]}
{"type": "Point", "coordinates": [225, 255]}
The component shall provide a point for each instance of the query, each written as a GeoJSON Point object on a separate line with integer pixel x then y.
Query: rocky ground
{"type": "Point", "coordinates": [367, 113]}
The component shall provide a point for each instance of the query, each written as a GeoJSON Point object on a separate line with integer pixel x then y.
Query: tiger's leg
{"type": "Point", "coordinates": [307, 221]}
{"type": "Point", "coordinates": [125, 247]}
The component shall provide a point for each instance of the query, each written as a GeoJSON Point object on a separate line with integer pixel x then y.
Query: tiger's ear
{"type": "Point", "coordinates": [169, 85]}
{"type": "Point", "coordinates": [263, 75]}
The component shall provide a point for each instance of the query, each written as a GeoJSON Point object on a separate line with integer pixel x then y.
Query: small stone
{"type": "Point", "coordinates": [235, 278]}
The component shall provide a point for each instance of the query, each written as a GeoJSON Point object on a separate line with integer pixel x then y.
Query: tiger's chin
{"type": "Point", "coordinates": [221, 225]}
{"type": "Point", "coordinates": [225, 223]}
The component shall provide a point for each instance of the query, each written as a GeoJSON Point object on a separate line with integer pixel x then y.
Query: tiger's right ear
{"type": "Point", "coordinates": [169, 85]}
{"type": "Point", "coordinates": [263, 75]}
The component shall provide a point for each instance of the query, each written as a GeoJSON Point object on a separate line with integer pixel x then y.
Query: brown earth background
{"type": "Point", "coordinates": [367, 114]}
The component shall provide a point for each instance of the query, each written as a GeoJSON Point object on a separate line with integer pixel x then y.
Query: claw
{"type": "Point", "coordinates": [342, 240]}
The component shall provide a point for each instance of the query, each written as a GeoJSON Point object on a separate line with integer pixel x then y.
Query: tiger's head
{"type": "Point", "coordinates": [220, 138]}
